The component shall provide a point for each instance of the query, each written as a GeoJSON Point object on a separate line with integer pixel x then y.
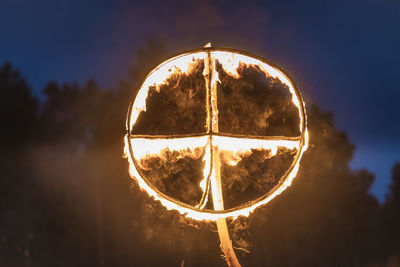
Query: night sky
{"type": "Point", "coordinates": [343, 55]}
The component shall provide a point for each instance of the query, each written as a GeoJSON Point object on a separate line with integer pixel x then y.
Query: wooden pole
{"type": "Point", "coordinates": [216, 187]}
{"type": "Point", "coordinates": [226, 243]}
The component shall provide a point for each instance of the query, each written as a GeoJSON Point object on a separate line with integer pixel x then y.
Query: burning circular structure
{"type": "Point", "coordinates": [194, 108]}
{"type": "Point", "coordinates": [215, 133]}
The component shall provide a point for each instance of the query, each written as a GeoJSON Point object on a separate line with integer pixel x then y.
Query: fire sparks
{"type": "Point", "coordinates": [211, 144]}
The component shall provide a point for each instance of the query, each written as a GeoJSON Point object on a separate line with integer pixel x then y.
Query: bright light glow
{"type": "Point", "coordinates": [233, 149]}
{"type": "Point", "coordinates": [186, 146]}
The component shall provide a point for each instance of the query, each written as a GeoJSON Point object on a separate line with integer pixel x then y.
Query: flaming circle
{"type": "Point", "coordinates": [186, 114]}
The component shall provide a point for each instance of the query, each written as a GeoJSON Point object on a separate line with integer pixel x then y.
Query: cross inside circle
{"type": "Point", "coordinates": [207, 127]}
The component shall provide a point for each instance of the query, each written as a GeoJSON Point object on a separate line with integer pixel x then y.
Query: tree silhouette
{"type": "Point", "coordinates": [18, 107]}
{"type": "Point", "coordinates": [391, 217]}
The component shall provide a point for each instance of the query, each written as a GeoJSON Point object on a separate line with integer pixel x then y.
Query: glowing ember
{"type": "Point", "coordinates": [212, 146]}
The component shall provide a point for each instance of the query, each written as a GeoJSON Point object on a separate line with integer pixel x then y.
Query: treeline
{"type": "Point", "coordinates": [66, 198]}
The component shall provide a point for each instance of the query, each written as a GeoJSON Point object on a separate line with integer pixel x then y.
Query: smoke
{"type": "Point", "coordinates": [177, 107]}
{"type": "Point", "coordinates": [255, 105]}
{"type": "Point", "coordinates": [191, 24]}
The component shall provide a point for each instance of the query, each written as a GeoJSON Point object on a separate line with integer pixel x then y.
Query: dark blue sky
{"type": "Point", "coordinates": [344, 55]}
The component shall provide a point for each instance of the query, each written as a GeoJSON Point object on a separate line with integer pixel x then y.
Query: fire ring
{"type": "Point", "coordinates": [231, 58]}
